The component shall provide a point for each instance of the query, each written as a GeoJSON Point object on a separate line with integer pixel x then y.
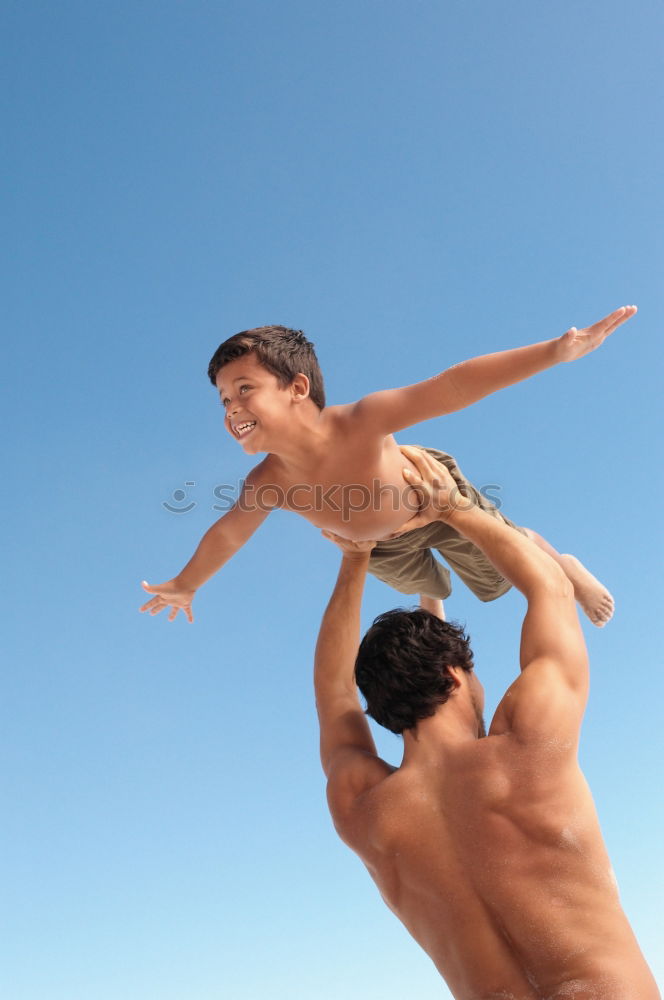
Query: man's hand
{"type": "Point", "coordinates": [440, 497]}
{"type": "Point", "coordinates": [576, 344]}
{"type": "Point", "coordinates": [169, 595]}
{"type": "Point", "coordinates": [349, 547]}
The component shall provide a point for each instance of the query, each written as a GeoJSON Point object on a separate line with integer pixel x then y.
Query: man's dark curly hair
{"type": "Point", "coordinates": [283, 352]}
{"type": "Point", "coordinates": [401, 666]}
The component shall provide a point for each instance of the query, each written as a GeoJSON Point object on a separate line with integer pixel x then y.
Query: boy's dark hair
{"type": "Point", "coordinates": [282, 351]}
{"type": "Point", "coordinates": [400, 666]}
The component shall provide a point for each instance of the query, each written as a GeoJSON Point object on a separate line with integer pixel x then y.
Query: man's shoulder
{"type": "Point", "coordinates": [541, 709]}
{"type": "Point", "coordinates": [354, 777]}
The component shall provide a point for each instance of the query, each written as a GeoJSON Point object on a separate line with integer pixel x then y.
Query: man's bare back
{"type": "Point", "coordinates": [487, 848]}
{"type": "Point", "coordinates": [492, 857]}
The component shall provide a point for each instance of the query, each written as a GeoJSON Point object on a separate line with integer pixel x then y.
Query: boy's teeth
{"type": "Point", "coordinates": [241, 428]}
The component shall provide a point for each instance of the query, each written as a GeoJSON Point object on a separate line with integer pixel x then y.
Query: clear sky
{"type": "Point", "coordinates": [411, 183]}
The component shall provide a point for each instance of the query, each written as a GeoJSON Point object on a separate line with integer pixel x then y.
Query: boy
{"type": "Point", "coordinates": [341, 468]}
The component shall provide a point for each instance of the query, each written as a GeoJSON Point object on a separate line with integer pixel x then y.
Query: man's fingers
{"type": "Point", "coordinates": [330, 535]}
{"type": "Point", "coordinates": [419, 488]}
{"type": "Point", "coordinates": [429, 474]}
{"type": "Point", "coordinates": [434, 475]}
{"type": "Point", "coordinates": [347, 545]}
{"type": "Point", "coordinates": [422, 460]}
{"type": "Point", "coordinates": [415, 522]}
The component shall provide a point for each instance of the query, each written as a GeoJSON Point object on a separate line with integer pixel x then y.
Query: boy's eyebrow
{"type": "Point", "coordinates": [240, 378]}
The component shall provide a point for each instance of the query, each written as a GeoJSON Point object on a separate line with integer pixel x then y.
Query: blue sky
{"type": "Point", "coordinates": [411, 184]}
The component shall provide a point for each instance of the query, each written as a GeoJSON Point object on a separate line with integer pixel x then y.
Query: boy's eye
{"type": "Point", "coordinates": [225, 401]}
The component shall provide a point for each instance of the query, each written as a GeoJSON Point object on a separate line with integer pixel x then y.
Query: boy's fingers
{"type": "Point", "coordinates": [628, 312]}
{"type": "Point", "coordinates": [614, 319]}
{"type": "Point", "coordinates": [149, 605]}
{"type": "Point", "coordinates": [175, 610]}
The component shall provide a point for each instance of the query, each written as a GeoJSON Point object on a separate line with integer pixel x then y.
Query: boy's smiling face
{"type": "Point", "coordinates": [255, 403]}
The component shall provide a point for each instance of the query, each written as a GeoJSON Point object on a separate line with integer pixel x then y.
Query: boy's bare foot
{"type": "Point", "coordinates": [592, 595]}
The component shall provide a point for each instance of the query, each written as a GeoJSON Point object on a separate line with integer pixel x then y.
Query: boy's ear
{"type": "Point", "coordinates": [300, 388]}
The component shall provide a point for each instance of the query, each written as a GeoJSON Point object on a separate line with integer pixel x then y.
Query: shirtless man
{"type": "Point", "coordinates": [488, 849]}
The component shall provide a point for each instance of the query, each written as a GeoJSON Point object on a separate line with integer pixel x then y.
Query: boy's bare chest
{"type": "Point", "coordinates": [355, 491]}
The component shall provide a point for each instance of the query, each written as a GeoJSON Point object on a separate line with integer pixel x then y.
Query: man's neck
{"type": "Point", "coordinates": [450, 728]}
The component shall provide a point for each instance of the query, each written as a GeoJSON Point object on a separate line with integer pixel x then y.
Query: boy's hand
{"type": "Point", "coordinates": [439, 495]}
{"type": "Point", "coordinates": [169, 595]}
{"type": "Point", "coordinates": [347, 546]}
{"type": "Point", "coordinates": [576, 343]}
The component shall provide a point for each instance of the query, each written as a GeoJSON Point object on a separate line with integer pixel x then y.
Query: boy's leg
{"type": "Point", "coordinates": [408, 565]}
{"type": "Point", "coordinates": [480, 576]}
{"type": "Point", "coordinates": [592, 595]}
{"type": "Point", "coordinates": [433, 605]}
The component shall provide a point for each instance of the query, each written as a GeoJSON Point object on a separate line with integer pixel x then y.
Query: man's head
{"type": "Point", "coordinates": [282, 352]}
{"type": "Point", "coordinates": [403, 667]}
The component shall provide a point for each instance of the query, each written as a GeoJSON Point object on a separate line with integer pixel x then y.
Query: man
{"type": "Point", "coordinates": [488, 849]}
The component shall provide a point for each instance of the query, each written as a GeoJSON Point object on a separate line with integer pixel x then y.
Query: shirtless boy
{"type": "Point", "coordinates": [340, 467]}
{"type": "Point", "coordinates": [487, 849]}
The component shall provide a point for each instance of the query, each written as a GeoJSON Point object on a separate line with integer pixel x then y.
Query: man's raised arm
{"type": "Point", "coordinates": [344, 731]}
{"type": "Point", "coordinates": [550, 695]}
{"type": "Point", "coordinates": [463, 384]}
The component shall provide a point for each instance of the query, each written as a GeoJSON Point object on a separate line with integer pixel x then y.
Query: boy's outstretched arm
{"type": "Point", "coordinates": [218, 544]}
{"type": "Point", "coordinates": [465, 383]}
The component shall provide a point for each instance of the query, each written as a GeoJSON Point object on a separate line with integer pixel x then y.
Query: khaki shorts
{"type": "Point", "coordinates": [408, 564]}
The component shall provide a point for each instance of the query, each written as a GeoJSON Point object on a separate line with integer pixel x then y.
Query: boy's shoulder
{"type": "Point", "coordinates": [346, 424]}
{"type": "Point", "coordinates": [339, 413]}
{"type": "Point", "coordinates": [263, 472]}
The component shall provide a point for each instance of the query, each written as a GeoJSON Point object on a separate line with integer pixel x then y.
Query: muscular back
{"type": "Point", "coordinates": [487, 848]}
{"type": "Point", "coordinates": [492, 857]}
